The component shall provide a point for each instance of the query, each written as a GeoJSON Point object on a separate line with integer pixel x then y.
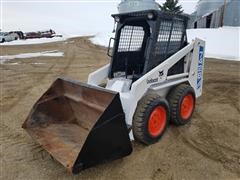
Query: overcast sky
{"type": "Point", "coordinates": [69, 17]}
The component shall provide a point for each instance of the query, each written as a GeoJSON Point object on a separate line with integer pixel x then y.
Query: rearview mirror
{"type": "Point", "coordinates": [110, 47]}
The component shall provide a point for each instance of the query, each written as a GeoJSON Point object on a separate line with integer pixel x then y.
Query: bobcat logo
{"type": "Point", "coordinates": [161, 73]}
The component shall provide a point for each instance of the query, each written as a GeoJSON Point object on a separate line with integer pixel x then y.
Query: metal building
{"type": "Point", "coordinates": [217, 13]}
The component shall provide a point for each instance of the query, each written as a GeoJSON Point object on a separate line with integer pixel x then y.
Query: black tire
{"type": "Point", "coordinates": [3, 40]}
{"type": "Point", "coordinates": [175, 99]}
{"type": "Point", "coordinates": [145, 108]}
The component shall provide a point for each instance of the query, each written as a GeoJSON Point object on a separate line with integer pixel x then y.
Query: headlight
{"type": "Point", "coordinates": [150, 16]}
{"type": "Point", "coordinates": [117, 19]}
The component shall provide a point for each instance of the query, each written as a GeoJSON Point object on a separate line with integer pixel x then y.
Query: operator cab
{"type": "Point", "coordinates": [145, 39]}
{"type": "Point", "coordinates": [129, 56]}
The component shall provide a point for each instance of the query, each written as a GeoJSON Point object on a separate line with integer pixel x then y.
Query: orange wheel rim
{"type": "Point", "coordinates": [187, 106]}
{"type": "Point", "coordinates": [157, 121]}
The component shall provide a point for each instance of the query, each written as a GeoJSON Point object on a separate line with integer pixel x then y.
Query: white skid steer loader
{"type": "Point", "coordinates": [154, 78]}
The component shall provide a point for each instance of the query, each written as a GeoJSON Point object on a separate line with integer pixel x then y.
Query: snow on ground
{"type": "Point", "coordinates": [54, 53]}
{"type": "Point", "coordinates": [221, 43]}
{"type": "Point", "coordinates": [102, 38]}
{"type": "Point", "coordinates": [34, 41]}
{"type": "Point", "coordinates": [46, 40]}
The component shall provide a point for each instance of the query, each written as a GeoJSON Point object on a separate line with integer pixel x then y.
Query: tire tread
{"type": "Point", "coordinates": [173, 98]}
{"type": "Point", "coordinates": [139, 116]}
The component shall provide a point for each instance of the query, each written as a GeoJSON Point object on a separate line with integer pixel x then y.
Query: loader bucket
{"type": "Point", "coordinates": [79, 125]}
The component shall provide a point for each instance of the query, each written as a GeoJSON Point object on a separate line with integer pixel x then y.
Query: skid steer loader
{"type": "Point", "coordinates": [154, 78]}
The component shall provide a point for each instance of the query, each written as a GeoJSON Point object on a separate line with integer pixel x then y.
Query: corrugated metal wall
{"type": "Point", "coordinates": [217, 16]}
{"type": "Point", "coordinates": [232, 15]}
{"type": "Point", "coordinates": [207, 6]}
{"type": "Point", "coordinates": [206, 17]}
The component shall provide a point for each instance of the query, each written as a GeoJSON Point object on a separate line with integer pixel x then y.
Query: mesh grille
{"type": "Point", "coordinates": [176, 37]}
{"type": "Point", "coordinates": [163, 37]}
{"type": "Point", "coordinates": [131, 38]}
{"type": "Point", "coordinates": [170, 37]}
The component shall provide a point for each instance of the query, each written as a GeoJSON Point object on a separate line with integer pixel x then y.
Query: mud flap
{"type": "Point", "coordinates": [79, 125]}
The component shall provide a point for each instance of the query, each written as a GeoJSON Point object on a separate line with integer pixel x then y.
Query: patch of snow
{"type": "Point", "coordinates": [69, 42]}
{"type": "Point", "coordinates": [45, 40]}
{"type": "Point", "coordinates": [37, 63]}
{"type": "Point", "coordinates": [221, 43]}
{"type": "Point", "coordinates": [102, 38]}
{"type": "Point", "coordinates": [54, 53]}
{"type": "Point", "coordinates": [34, 41]}
{"type": "Point", "coordinates": [13, 63]}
